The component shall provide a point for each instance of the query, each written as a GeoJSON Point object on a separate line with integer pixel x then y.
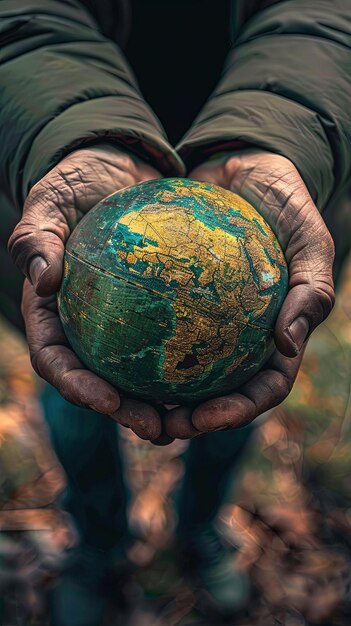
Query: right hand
{"type": "Point", "coordinates": [51, 211]}
{"type": "Point", "coordinates": [274, 186]}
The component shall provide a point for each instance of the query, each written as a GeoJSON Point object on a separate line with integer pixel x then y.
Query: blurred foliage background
{"type": "Point", "coordinates": [289, 509]}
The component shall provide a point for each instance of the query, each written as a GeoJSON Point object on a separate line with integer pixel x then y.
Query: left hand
{"type": "Point", "coordinates": [273, 185]}
{"type": "Point", "coordinates": [51, 211]}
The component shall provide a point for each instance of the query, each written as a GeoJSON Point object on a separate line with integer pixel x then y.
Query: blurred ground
{"type": "Point", "coordinates": [289, 510]}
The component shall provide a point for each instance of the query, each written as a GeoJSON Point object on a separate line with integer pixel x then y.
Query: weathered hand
{"type": "Point", "coordinates": [273, 185]}
{"type": "Point", "coordinates": [51, 211]}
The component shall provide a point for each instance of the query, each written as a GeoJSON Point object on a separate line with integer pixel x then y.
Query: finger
{"type": "Point", "coordinates": [178, 424]}
{"type": "Point", "coordinates": [310, 254]}
{"type": "Point", "coordinates": [162, 440]}
{"type": "Point", "coordinates": [37, 243]}
{"type": "Point", "coordinates": [142, 418]}
{"type": "Point", "coordinates": [55, 204]}
{"type": "Point", "coordinates": [212, 173]}
{"type": "Point", "coordinates": [265, 390]}
{"type": "Point", "coordinates": [304, 308]}
{"type": "Point", "coordinates": [54, 361]}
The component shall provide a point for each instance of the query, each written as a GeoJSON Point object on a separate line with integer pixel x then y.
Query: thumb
{"type": "Point", "coordinates": [310, 254]}
{"type": "Point", "coordinates": [56, 203]}
{"type": "Point", "coordinates": [304, 308]}
{"type": "Point", "coordinates": [37, 243]}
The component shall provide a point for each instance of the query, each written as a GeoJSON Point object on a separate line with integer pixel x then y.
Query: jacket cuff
{"type": "Point", "coordinates": [264, 120]}
{"type": "Point", "coordinates": [95, 121]}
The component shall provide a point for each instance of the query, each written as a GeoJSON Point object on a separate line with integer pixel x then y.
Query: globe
{"type": "Point", "coordinates": [171, 290]}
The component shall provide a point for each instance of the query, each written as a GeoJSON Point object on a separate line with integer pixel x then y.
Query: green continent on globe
{"type": "Point", "coordinates": [171, 290]}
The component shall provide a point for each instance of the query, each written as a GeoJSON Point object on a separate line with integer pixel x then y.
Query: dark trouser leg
{"type": "Point", "coordinates": [210, 462]}
{"type": "Point", "coordinates": [86, 444]}
{"type": "Point", "coordinates": [205, 560]}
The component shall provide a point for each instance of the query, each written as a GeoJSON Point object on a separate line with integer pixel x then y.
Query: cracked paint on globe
{"type": "Point", "coordinates": [171, 290]}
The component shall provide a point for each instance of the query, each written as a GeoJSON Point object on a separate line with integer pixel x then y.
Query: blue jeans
{"type": "Point", "coordinates": [87, 446]}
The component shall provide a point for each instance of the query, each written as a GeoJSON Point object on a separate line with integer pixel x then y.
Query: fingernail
{"type": "Point", "coordinates": [36, 268]}
{"type": "Point", "coordinates": [298, 331]}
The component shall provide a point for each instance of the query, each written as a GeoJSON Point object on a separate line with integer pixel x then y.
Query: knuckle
{"type": "Point", "coordinates": [22, 247]}
{"type": "Point", "coordinates": [28, 241]}
{"type": "Point", "coordinates": [284, 386]}
{"type": "Point", "coordinates": [325, 295]}
{"type": "Point", "coordinates": [47, 362]}
{"type": "Point", "coordinates": [41, 360]}
{"type": "Point", "coordinates": [277, 387]}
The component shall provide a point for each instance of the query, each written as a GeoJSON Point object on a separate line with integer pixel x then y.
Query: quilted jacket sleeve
{"type": "Point", "coordinates": [63, 85]}
{"type": "Point", "coordinates": [286, 87]}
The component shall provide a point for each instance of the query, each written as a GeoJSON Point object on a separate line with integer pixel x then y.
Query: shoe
{"type": "Point", "coordinates": [87, 587]}
{"type": "Point", "coordinates": [208, 564]}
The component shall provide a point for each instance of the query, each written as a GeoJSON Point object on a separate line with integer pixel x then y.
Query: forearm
{"type": "Point", "coordinates": [286, 89]}
{"type": "Point", "coordinates": [65, 85]}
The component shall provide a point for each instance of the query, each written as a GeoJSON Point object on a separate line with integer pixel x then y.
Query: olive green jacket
{"type": "Point", "coordinates": [286, 87]}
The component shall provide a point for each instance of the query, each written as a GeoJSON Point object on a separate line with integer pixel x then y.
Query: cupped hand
{"type": "Point", "coordinates": [274, 186]}
{"type": "Point", "coordinates": [52, 209]}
